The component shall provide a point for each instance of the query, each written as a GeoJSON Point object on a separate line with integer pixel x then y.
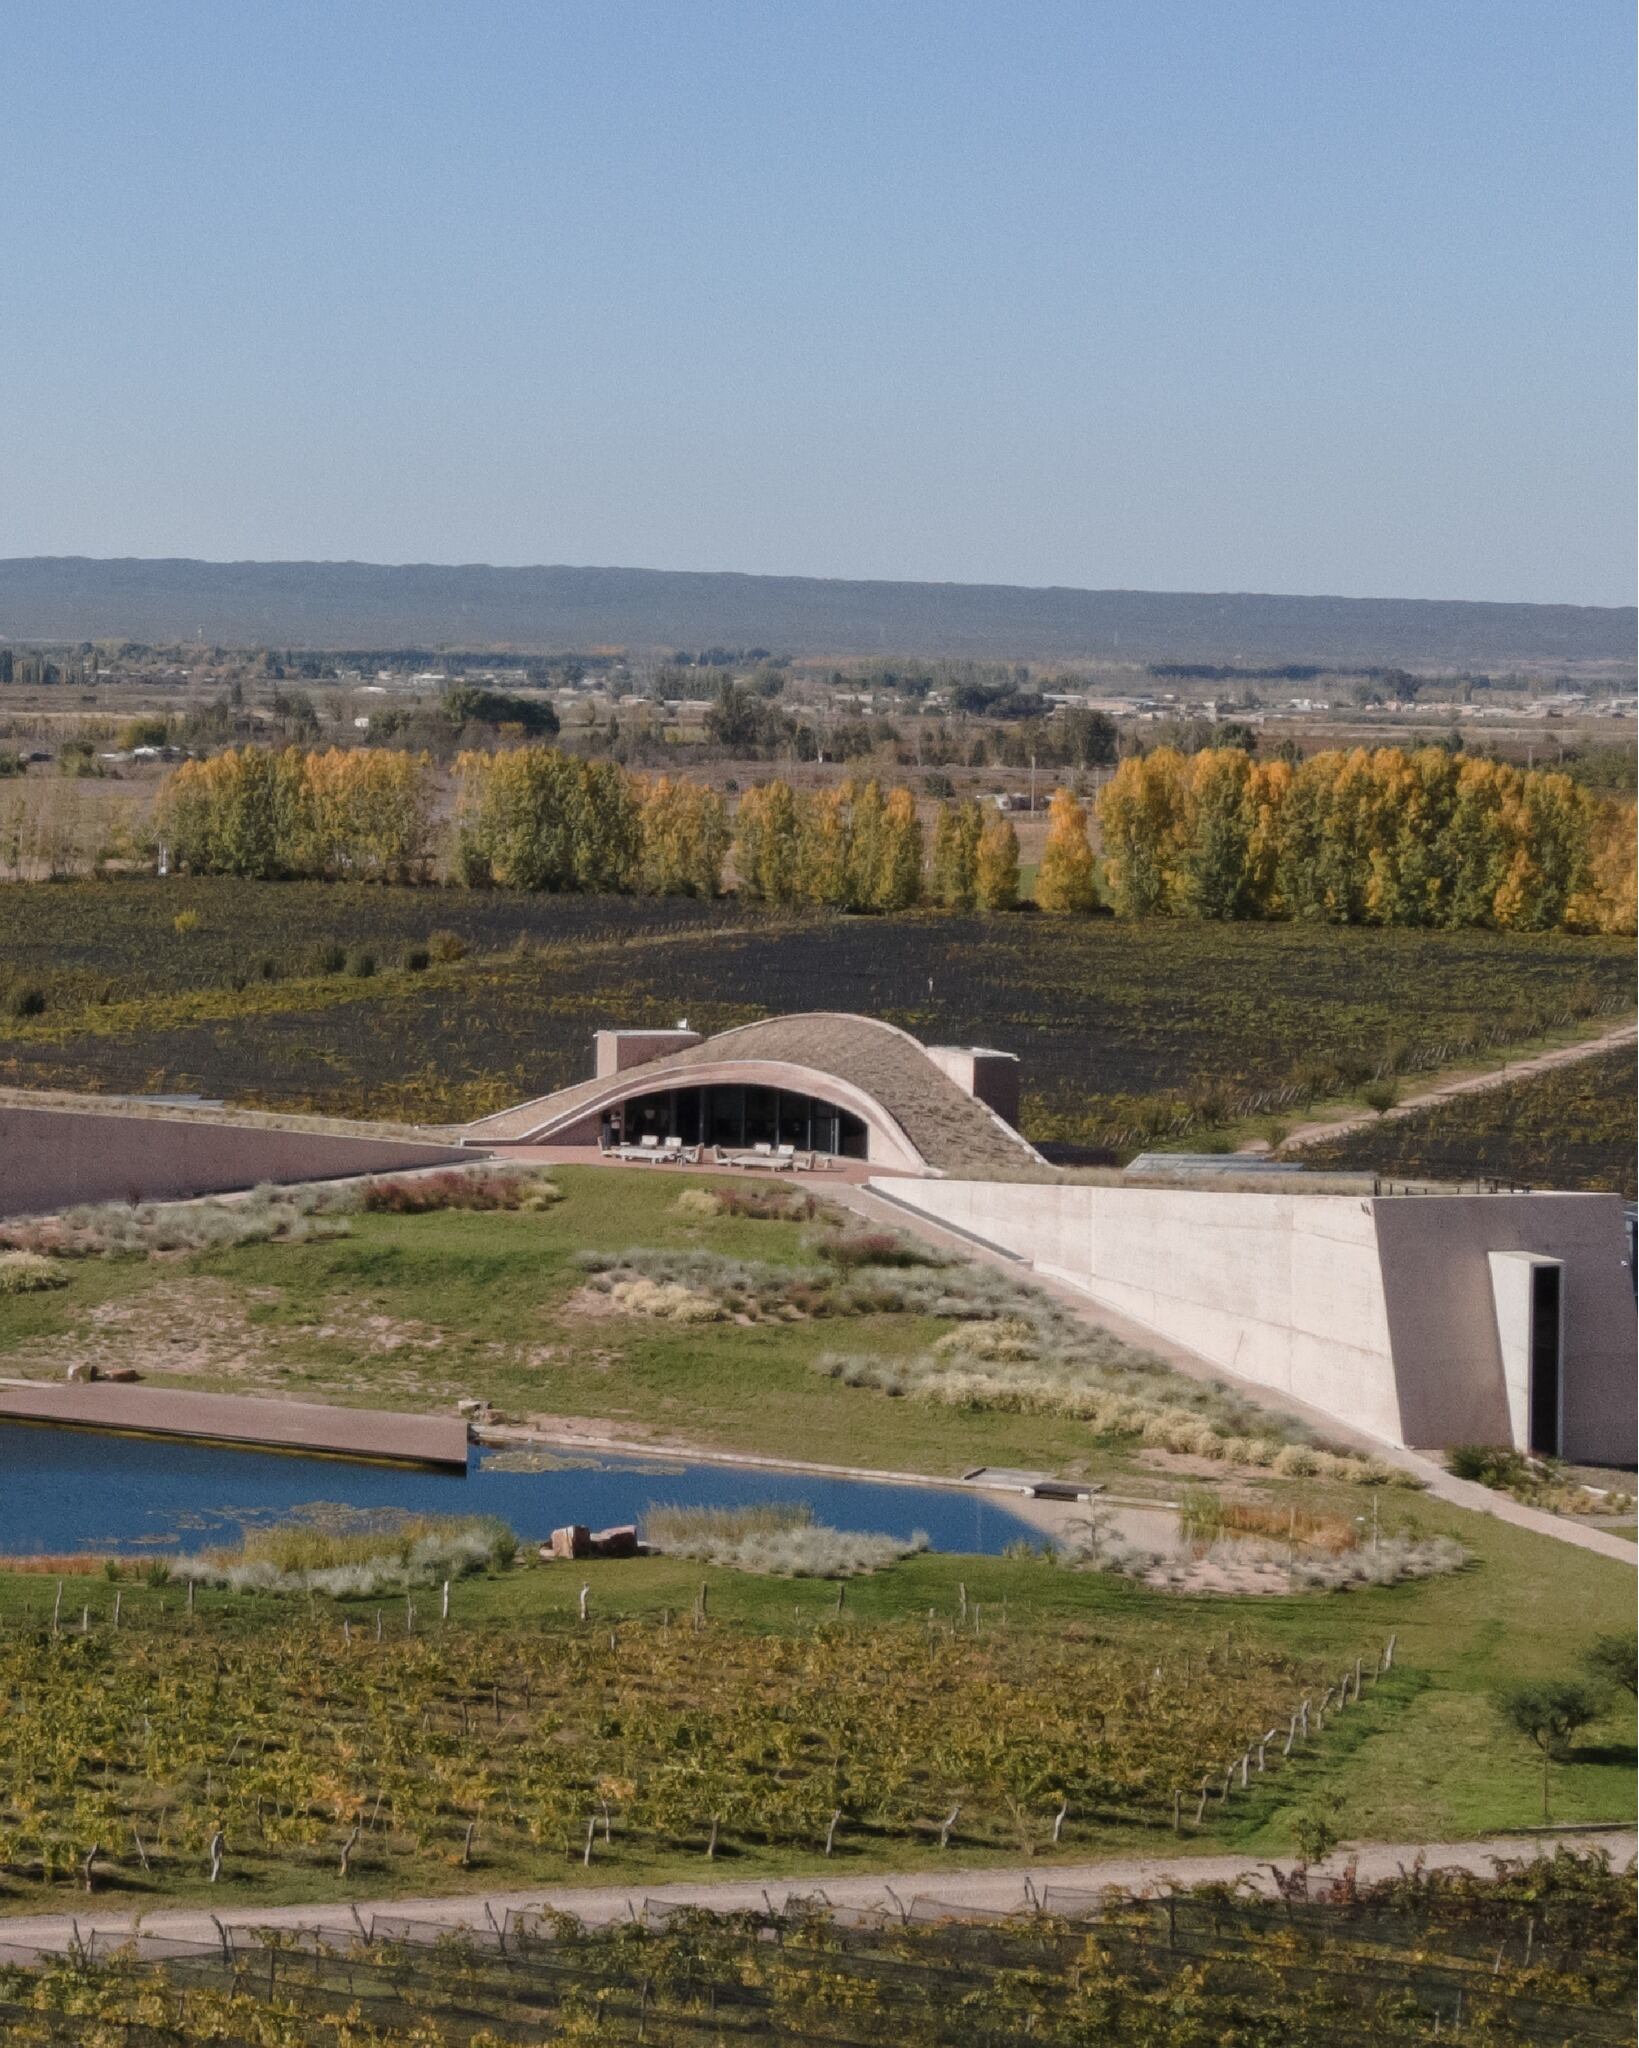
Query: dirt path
{"type": "Point", "coordinates": [1009, 1887]}
{"type": "Point", "coordinates": [1468, 1084]}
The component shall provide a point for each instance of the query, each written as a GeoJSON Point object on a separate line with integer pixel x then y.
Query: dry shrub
{"type": "Point", "coordinates": [358, 1557]}
{"type": "Point", "coordinates": [667, 1300]}
{"type": "Point", "coordinates": [1205, 1516]}
{"type": "Point", "coordinates": [855, 1249]}
{"type": "Point", "coordinates": [77, 1564]}
{"type": "Point", "coordinates": [138, 1229]}
{"type": "Point", "coordinates": [778, 1539]}
{"type": "Point", "coordinates": [768, 1204]}
{"type": "Point", "coordinates": [1008, 1338]}
{"type": "Point", "coordinates": [698, 1205]}
{"type": "Point", "coordinates": [29, 1273]}
{"type": "Point", "coordinates": [459, 1187]}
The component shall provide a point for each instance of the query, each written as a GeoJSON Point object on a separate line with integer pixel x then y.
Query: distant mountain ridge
{"type": "Point", "coordinates": [368, 605]}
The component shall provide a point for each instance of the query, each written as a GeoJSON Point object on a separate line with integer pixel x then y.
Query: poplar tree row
{"type": "Point", "coordinates": [851, 847]}
{"type": "Point", "coordinates": [365, 813]}
{"type": "Point", "coordinates": [1365, 837]}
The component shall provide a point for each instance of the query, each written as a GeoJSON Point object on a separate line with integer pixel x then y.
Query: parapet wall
{"type": "Point", "coordinates": [1379, 1311]}
{"type": "Point", "coordinates": [54, 1158]}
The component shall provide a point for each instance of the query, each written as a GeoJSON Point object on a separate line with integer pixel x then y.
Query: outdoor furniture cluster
{"type": "Point", "coordinates": [771, 1159]}
{"type": "Point", "coordinates": [656, 1151]}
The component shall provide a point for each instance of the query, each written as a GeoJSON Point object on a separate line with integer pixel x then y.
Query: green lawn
{"type": "Point", "coordinates": [1422, 1758]}
{"type": "Point", "coordinates": [415, 1312]}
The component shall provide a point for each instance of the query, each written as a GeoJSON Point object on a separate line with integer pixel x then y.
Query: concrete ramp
{"type": "Point", "coordinates": [233, 1419]}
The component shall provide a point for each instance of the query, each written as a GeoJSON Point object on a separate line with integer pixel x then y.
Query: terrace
{"type": "Point", "coordinates": [769, 1095]}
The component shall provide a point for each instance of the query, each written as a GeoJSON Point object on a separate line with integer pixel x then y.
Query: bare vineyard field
{"type": "Point", "coordinates": [1539, 1951]}
{"type": "Point", "coordinates": [1573, 1127]}
{"type": "Point", "coordinates": [1108, 1015]}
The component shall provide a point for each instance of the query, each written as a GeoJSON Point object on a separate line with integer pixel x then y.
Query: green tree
{"type": "Point", "coordinates": [1613, 1661]}
{"type": "Point", "coordinates": [1548, 1714]}
{"type": "Point", "coordinates": [1214, 870]}
{"type": "Point", "coordinates": [768, 844]}
{"type": "Point", "coordinates": [956, 855]}
{"type": "Point", "coordinates": [867, 815]}
{"type": "Point", "coordinates": [826, 846]}
{"type": "Point", "coordinates": [608, 831]}
{"type": "Point", "coordinates": [466, 704]}
{"type": "Point", "coordinates": [899, 860]}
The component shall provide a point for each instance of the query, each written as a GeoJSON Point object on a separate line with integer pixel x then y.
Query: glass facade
{"type": "Point", "coordinates": [738, 1117]}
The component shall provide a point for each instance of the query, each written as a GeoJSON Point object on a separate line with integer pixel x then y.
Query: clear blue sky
{"type": "Point", "coordinates": [1291, 295]}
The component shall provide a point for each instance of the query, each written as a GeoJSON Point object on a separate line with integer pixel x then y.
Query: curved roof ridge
{"type": "Point", "coordinates": [820, 1017]}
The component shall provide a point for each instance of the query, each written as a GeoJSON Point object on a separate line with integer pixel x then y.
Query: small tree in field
{"type": "Point", "coordinates": [1548, 1714]}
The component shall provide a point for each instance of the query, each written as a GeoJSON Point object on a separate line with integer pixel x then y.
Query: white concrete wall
{"type": "Point", "coordinates": [1511, 1295]}
{"type": "Point", "coordinates": [1380, 1312]}
{"type": "Point", "coordinates": [1442, 1315]}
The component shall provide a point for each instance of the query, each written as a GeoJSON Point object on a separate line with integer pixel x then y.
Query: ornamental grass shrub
{"type": "Point", "coordinates": [1324, 1567]}
{"type": "Point", "coordinates": [1388, 1563]}
{"type": "Point", "coordinates": [460, 1187]}
{"type": "Point", "coordinates": [290, 1215]}
{"type": "Point", "coordinates": [778, 1539]}
{"type": "Point", "coordinates": [29, 1273]}
{"type": "Point", "coordinates": [881, 1249]}
{"type": "Point", "coordinates": [666, 1300]}
{"type": "Point", "coordinates": [384, 1555]}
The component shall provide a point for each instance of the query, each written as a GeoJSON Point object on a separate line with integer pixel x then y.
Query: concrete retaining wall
{"type": "Point", "coordinates": [1379, 1311]}
{"type": "Point", "coordinates": [54, 1158]}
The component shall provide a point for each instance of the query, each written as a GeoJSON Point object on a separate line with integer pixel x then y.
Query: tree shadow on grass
{"type": "Point", "coordinates": [1623, 1753]}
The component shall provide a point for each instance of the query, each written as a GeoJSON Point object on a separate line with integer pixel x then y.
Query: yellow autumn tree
{"type": "Point", "coordinates": [996, 865]}
{"type": "Point", "coordinates": [897, 883]}
{"type": "Point", "coordinates": [1606, 902]}
{"type": "Point", "coordinates": [368, 814]}
{"type": "Point", "coordinates": [1212, 861]}
{"type": "Point", "coordinates": [685, 833]}
{"type": "Point", "coordinates": [243, 812]}
{"type": "Point", "coordinates": [1138, 815]}
{"type": "Point", "coordinates": [825, 843]}
{"type": "Point", "coordinates": [1067, 880]}
{"type": "Point", "coordinates": [768, 844]}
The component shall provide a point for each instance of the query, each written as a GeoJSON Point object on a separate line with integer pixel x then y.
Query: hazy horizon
{"type": "Point", "coordinates": [297, 561]}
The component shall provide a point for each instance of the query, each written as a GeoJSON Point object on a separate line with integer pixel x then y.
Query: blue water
{"type": "Point", "coordinates": [63, 1490]}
